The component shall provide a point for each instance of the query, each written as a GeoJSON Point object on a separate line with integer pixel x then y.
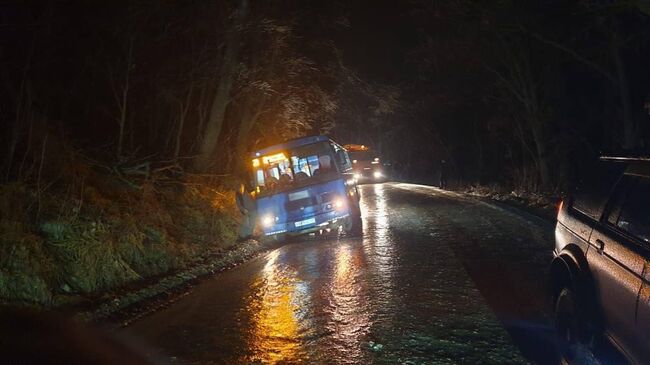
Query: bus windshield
{"type": "Point", "coordinates": [301, 166]}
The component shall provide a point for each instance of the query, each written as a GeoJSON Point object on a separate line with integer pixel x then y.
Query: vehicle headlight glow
{"type": "Point", "coordinates": [338, 203]}
{"type": "Point", "coordinates": [377, 174]}
{"type": "Point", "coordinates": [268, 220]}
{"type": "Point", "coordinates": [357, 176]}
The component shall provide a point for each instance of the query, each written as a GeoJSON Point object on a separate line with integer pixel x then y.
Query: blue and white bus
{"type": "Point", "coordinates": [305, 185]}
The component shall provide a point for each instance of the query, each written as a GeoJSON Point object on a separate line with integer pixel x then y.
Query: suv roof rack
{"type": "Point", "coordinates": [624, 158]}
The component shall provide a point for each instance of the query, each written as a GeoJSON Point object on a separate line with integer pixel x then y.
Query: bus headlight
{"type": "Point", "coordinates": [377, 174]}
{"type": "Point", "coordinates": [268, 220]}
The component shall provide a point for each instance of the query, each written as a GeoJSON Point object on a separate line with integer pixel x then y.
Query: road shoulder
{"type": "Point", "coordinates": [119, 308]}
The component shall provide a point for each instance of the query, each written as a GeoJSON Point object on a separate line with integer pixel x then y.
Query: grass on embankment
{"type": "Point", "coordinates": [79, 231]}
{"type": "Point", "coordinates": [542, 205]}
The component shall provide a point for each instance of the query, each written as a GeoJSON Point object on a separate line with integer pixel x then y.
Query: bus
{"type": "Point", "coordinates": [366, 164]}
{"type": "Point", "coordinates": [305, 185]}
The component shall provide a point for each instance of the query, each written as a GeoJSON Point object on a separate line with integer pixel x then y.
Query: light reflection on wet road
{"type": "Point", "coordinates": [424, 284]}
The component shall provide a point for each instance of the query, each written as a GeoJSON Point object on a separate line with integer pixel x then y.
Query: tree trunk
{"type": "Point", "coordinates": [537, 129]}
{"type": "Point", "coordinates": [201, 116]}
{"type": "Point", "coordinates": [184, 108]}
{"type": "Point", "coordinates": [249, 119]}
{"type": "Point", "coordinates": [221, 99]}
{"type": "Point", "coordinates": [629, 126]}
{"type": "Point", "coordinates": [122, 100]}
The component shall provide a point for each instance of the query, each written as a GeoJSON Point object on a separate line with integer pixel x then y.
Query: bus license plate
{"type": "Point", "coordinates": [305, 222]}
{"type": "Point", "coordinates": [299, 195]}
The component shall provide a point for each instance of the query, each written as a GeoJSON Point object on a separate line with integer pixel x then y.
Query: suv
{"type": "Point", "coordinates": [600, 274]}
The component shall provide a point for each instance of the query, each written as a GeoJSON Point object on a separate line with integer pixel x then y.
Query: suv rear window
{"type": "Point", "coordinates": [634, 217]}
{"type": "Point", "coordinates": [593, 190]}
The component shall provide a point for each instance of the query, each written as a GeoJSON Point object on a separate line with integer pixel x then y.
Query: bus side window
{"type": "Point", "coordinates": [344, 160]}
{"type": "Point", "coordinates": [274, 172]}
{"type": "Point", "coordinates": [259, 174]}
{"type": "Point", "coordinates": [306, 165]}
{"type": "Point", "coordinates": [314, 164]}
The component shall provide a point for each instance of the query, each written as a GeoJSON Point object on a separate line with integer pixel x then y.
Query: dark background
{"type": "Point", "coordinates": [512, 94]}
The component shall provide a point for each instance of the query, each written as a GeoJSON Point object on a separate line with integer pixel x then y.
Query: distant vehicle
{"type": "Point", "coordinates": [366, 164]}
{"type": "Point", "coordinates": [305, 185]}
{"type": "Point", "coordinates": [600, 273]}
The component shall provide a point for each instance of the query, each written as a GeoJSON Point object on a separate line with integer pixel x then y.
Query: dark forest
{"type": "Point", "coordinates": [510, 93]}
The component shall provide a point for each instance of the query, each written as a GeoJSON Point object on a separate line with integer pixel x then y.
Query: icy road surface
{"type": "Point", "coordinates": [435, 279]}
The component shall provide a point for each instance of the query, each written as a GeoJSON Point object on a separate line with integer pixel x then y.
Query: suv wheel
{"type": "Point", "coordinates": [570, 325]}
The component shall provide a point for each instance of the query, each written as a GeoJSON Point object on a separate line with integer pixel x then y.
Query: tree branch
{"type": "Point", "coordinates": [575, 55]}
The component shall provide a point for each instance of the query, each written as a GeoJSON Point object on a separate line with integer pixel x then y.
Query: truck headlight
{"type": "Point", "coordinates": [338, 203]}
{"type": "Point", "coordinates": [377, 174]}
{"type": "Point", "coordinates": [268, 220]}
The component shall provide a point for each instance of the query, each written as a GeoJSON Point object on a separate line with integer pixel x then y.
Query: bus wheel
{"type": "Point", "coordinates": [352, 225]}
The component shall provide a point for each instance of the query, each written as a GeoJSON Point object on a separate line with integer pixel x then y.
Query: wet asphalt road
{"type": "Point", "coordinates": [435, 278]}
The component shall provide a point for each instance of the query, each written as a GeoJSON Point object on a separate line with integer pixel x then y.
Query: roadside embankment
{"type": "Point", "coordinates": [542, 205]}
{"type": "Point", "coordinates": [127, 304]}
{"type": "Point", "coordinates": [77, 232]}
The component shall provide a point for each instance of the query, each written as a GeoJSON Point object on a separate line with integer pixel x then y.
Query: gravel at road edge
{"type": "Point", "coordinates": [125, 307]}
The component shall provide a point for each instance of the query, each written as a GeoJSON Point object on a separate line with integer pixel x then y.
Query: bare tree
{"type": "Point", "coordinates": [606, 21]}
{"type": "Point", "coordinates": [120, 90]}
{"type": "Point", "coordinates": [221, 98]}
{"type": "Point", "coordinates": [522, 85]}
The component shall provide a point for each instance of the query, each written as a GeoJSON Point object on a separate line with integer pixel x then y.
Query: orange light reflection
{"type": "Point", "coordinates": [274, 337]}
